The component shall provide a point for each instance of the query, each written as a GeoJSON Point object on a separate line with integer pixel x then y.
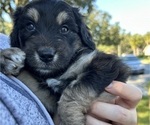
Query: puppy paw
{"type": "Point", "coordinates": [11, 61]}
{"type": "Point", "coordinates": [54, 84]}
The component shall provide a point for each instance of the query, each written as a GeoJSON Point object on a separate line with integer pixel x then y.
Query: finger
{"type": "Point", "coordinates": [114, 113]}
{"type": "Point", "coordinates": [124, 103]}
{"type": "Point", "coordinates": [131, 94]}
{"type": "Point", "coordinates": [93, 121]}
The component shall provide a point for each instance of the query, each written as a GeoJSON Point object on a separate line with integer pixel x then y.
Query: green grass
{"type": "Point", "coordinates": [143, 110]}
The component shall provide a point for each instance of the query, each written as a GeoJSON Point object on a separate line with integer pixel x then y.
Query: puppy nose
{"type": "Point", "coordinates": [46, 54]}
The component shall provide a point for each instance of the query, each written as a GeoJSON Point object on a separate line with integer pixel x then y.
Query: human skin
{"type": "Point", "coordinates": [122, 111]}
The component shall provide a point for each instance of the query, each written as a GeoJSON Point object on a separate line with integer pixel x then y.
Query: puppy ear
{"type": "Point", "coordinates": [14, 36]}
{"type": "Point", "coordinates": [83, 30]}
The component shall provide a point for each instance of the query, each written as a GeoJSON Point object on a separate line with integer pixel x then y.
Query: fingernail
{"type": "Point", "coordinates": [110, 86]}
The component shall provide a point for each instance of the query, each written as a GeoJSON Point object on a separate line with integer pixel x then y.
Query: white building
{"type": "Point", "coordinates": [147, 50]}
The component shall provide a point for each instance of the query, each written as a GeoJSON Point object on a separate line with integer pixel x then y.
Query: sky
{"type": "Point", "coordinates": [132, 15]}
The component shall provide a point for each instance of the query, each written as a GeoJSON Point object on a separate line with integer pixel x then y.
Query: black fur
{"type": "Point", "coordinates": [47, 35]}
{"type": "Point", "coordinates": [100, 72]}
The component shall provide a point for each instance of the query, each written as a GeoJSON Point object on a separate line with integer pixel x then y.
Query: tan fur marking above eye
{"type": "Point", "coordinates": [62, 16]}
{"type": "Point", "coordinates": [33, 13]}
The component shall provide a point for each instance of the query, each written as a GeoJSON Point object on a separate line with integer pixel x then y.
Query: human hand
{"type": "Point", "coordinates": [123, 109]}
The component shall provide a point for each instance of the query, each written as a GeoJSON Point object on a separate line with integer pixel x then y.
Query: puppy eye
{"type": "Point", "coordinates": [64, 29]}
{"type": "Point", "coordinates": [30, 27]}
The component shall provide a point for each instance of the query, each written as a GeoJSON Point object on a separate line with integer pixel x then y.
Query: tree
{"type": "Point", "coordinates": [136, 42]}
{"type": "Point", "coordinates": [102, 30]}
{"type": "Point", "coordinates": [147, 38]}
{"type": "Point", "coordinates": [125, 46]}
{"type": "Point", "coordinates": [8, 6]}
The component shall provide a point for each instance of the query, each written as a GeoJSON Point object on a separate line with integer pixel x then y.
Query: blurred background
{"type": "Point", "coordinates": [120, 27]}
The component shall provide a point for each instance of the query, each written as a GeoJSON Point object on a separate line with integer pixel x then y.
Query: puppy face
{"type": "Point", "coordinates": [51, 33]}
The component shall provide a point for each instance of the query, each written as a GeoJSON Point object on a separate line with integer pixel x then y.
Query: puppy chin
{"type": "Point", "coordinates": [44, 71]}
{"type": "Point", "coordinates": [47, 73]}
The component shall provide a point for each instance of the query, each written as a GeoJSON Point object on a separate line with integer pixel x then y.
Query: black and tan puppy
{"type": "Point", "coordinates": [60, 53]}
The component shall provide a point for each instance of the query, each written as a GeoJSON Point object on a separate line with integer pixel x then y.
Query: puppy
{"type": "Point", "coordinates": [58, 52]}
